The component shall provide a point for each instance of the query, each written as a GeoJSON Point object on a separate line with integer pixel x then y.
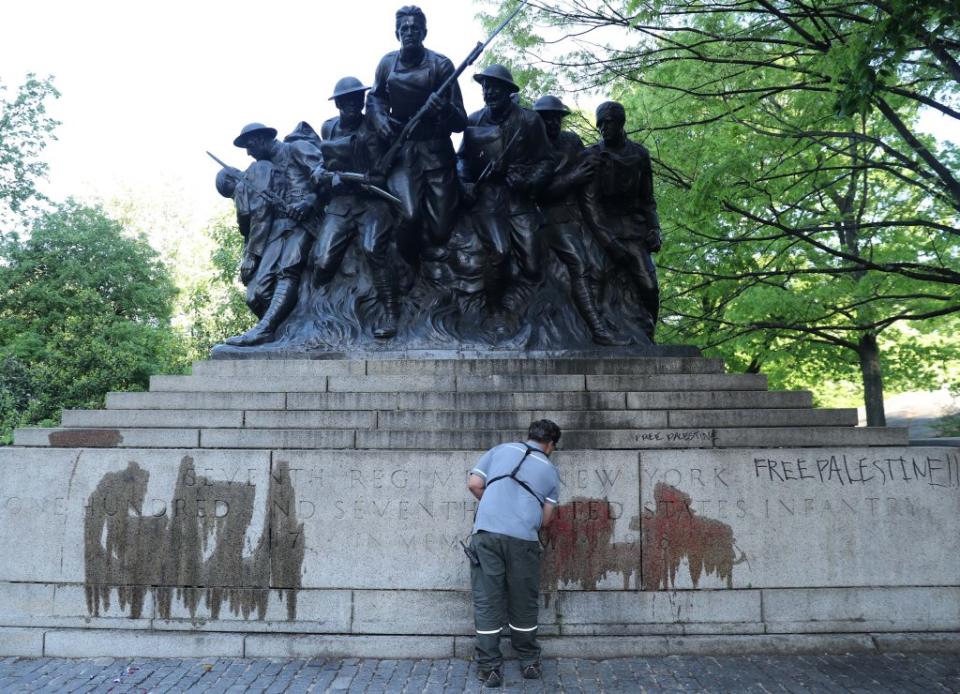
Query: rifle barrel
{"type": "Point", "coordinates": [218, 160]}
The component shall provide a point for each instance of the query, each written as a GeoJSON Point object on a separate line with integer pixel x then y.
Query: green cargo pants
{"type": "Point", "coordinates": [506, 591]}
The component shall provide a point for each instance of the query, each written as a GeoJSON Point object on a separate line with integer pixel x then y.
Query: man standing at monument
{"type": "Point", "coordinates": [274, 276]}
{"type": "Point", "coordinates": [517, 486]}
{"type": "Point", "coordinates": [350, 145]}
{"type": "Point", "coordinates": [560, 202]}
{"type": "Point", "coordinates": [423, 173]}
{"type": "Point", "coordinates": [505, 161]}
{"type": "Point", "coordinates": [620, 209]}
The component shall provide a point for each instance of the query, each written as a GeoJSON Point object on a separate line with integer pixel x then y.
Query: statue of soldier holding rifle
{"type": "Point", "coordinates": [350, 145]}
{"type": "Point", "coordinates": [420, 167]}
{"type": "Point", "coordinates": [278, 207]}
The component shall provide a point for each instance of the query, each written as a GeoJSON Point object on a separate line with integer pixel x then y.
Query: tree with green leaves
{"type": "Point", "coordinates": [84, 309]}
{"type": "Point", "coordinates": [807, 219]}
{"type": "Point", "coordinates": [214, 303]}
{"type": "Point", "coordinates": [25, 131]}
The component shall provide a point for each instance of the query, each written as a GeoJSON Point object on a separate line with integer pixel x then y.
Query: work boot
{"type": "Point", "coordinates": [281, 303]}
{"type": "Point", "coordinates": [491, 678]}
{"type": "Point", "coordinates": [533, 671]}
{"type": "Point", "coordinates": [584, 301]}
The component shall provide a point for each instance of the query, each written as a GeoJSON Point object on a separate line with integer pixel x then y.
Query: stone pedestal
{"type": "Point", "coordinates": [274, 508]}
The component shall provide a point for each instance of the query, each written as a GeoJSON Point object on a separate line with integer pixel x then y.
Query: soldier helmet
{"type": "Point", "coordinates": [550, 103]}
{"type": "Point", "coordinates": [347, 85]}
{"type": "Point", "coordinates": [226, 182]}
{"type": "Point", "coordinates": [253, 129]}
{"type": "Point", "coordinates": [497, 72]}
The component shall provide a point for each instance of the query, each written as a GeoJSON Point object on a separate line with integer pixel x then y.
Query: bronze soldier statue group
{"type": "Point", "coordinates": [459, 245]}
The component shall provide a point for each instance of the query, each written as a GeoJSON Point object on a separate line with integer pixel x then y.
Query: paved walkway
{"type": "Point", "coordinates": [922, 674]}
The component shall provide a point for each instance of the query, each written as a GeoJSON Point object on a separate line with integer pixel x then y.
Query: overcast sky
{"type": "Point", "coordinates": [147, 87]}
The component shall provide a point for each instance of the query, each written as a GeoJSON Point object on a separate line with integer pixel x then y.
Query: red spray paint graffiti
{"type": "Point", "coordinates": [672, 532]}
{"type": "Point", "coordinates": [580, 547]}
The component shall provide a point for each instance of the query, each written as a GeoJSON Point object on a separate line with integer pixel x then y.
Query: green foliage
{"type": "Point", "coordinates": [804, 215]}
{"type": "Point", "coordinates": [522, 38]}
{"type": "Point", "coordinates": [84, 309]}
{"type": "Point", "coordinates": [214, 304]}
{"type": "Point", "coordinates": [948, 425]}
{"type": "Point", "coordinates": [25, 130]}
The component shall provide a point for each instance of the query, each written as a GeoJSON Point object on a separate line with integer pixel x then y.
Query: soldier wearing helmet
{"type": "Point", "coordinates": [504, 161]}
{"type": "Point", "coordinates": [350, 144]}
{"type": "Point", "coordinates": [424, 173]}
{"type": "Point", "coordinates": [277, 213]}
{"type": "Point", "coordinates": [560, 203]}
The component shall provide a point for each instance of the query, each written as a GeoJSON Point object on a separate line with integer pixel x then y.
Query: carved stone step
{"type": "Point", "coordinates": [196, 401]}
{"type": "Point", "coordinates": [710, 400]}
{"type": "Point", "coordinates": [610, 419]}
{"type": "Point", "coordinates": [466, 384]}
{"type": "Point", "coordinates": [479, 439]}
{"type": "Point", "coordinates": [306, 368]}
{"type": "Point", "coordinates": [107, 438]}
{"type": "Point", "coordinates": [481, 401]}
{"type": "Point", "coordinates": [441, 419]}
{"type": "Point", "coordinates": [158, 418]}
{"type": "Point", "coordinates": [763, 417]}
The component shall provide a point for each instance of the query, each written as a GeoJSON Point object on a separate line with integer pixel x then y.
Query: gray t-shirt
{"type": "Point", "coordinates": [506, 507]}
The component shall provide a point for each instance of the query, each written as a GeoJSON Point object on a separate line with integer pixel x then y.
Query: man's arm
{"type": "Point", "coordinates": [378, 103]}
{"type": "Point", "coordinates": [547, 515]}
{"type": "Point", "coordinates": [649, 204]}
{"type": "Point", "coordinates": [476, 484]}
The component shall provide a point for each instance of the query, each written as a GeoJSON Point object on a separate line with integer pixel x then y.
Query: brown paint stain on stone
{"type": "Point", "coordinates": [580, 547]}
{"type": "Point", "coordinates": [85, 438]}
{"type": "Point", "coordinates": [193, 548]}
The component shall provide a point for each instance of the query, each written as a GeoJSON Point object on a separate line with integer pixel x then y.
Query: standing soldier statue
{"type": "Point", "coordinates": [277, 207]}
{"type": "Point", "coordinates": [421, 169]}
{"type": "Point", "coordinates": [505, 160]}
{"type": "Point", "coordinates": [350, 145]}
{"type": "Point", "coordinates": [560, 203]}
{"type": "Point", "coordinates": [620, 209]}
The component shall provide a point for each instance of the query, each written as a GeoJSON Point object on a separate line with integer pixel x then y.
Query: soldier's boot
{"type": "Point", "coordinates": [386, 286]}
{"type": "Point", "coordinates": [587, 306]}
{"type": "Point", "coordinates": [281, 303]}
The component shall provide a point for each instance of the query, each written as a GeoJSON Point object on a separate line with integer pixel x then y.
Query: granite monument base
{"type": "Point", "coordinates": [315, 507]}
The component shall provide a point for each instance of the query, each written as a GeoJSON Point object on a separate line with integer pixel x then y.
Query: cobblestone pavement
{"type": "Point", "coordinates": [834, 673]}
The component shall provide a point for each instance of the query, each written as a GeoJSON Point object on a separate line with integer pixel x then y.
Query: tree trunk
{"type": "Point", "coordinates": [869, 353]}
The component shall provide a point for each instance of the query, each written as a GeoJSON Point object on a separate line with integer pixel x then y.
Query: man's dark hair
{"type": "Point", "coordinates": [412, 11]}
{"type": "Point", "coordinates": [611, 108]}
{"type": "Point", "coordinates": [544, 431]}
